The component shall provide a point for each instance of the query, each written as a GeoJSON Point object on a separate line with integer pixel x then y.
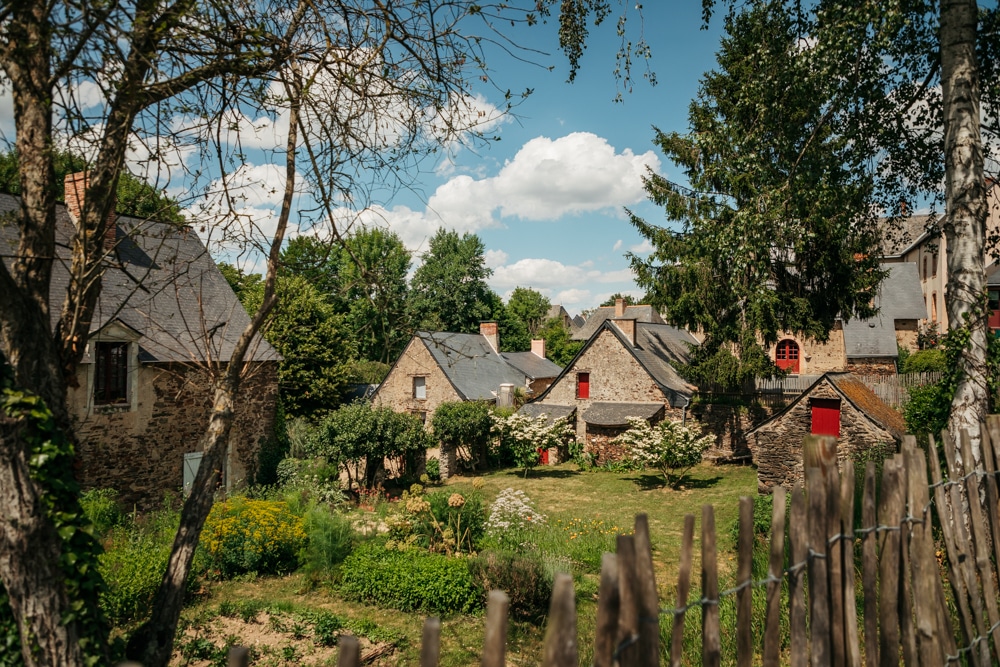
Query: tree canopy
{"type": "Point", "coordinates": [449, 291]}
{"type": "Point", "coordinates": [530, 306]}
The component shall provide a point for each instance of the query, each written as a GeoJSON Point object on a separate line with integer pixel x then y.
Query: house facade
{"type": "Point", "coordinates": [626, 369]}
{"type": "Point", "coordinates": [143, 394]}
{"type": "Point", "coordinates": [837, 404]}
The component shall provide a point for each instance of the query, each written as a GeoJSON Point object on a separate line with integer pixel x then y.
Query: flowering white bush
{"type": "Point", "coordinates": [670, 447]}
{"type": "Point", "coordinates": [510, 515]}
{"type": "Point", "coordinates": [525, 435]}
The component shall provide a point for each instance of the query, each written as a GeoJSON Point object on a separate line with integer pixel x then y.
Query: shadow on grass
{"type": "Point", "coordinates": [649, 482]}
{"type": "Point", "coordinates": [543, 473]}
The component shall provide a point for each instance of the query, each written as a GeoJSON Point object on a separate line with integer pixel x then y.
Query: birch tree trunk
{"type": "Point", "coordinates": [965, 211]}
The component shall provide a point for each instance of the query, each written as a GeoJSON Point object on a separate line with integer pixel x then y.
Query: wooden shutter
{"type": "Point", "coordinates": [583, 385]}
{"type": "Point", "coordinates": [825, 416]}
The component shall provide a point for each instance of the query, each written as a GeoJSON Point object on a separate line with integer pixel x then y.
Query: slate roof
{"type": "Point", "coordinates": [161, 282]}
{"type": "Point", "coordinates": [604, 313]}
{"type": "Point", "coordinates": [857, 394]}
{"type": "Point", "coordinates": [474, 368]}
{"type": "Point", "coordinates": [553, 412]}
{"type": "Point", "coordinates": [897, 241]}
{"type": "Point", "coordinates": [531, 364]}
{"type": "Point", "coordinates": [899, 298]}
{"type": "Point", "coordinates": [605, 413]}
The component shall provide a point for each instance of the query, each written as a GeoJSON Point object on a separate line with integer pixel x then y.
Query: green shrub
{"type": "Point", "coordinates": [925, 361]}
{"type": "Point", "coordinates": [469, 518]}
{"type": "Point", "coordinates": [331, 539]}
{"type": "Point", "coordinates": [101, 508]}
{"type": "Point", "coordinates": [463, 424]}
{"type": "Point", "coordinates": [434, 470]}
{"type": "Point", "coordinates": [132, 567]}
{"type": "Point", "coordinates": [927, 409]}
{"type": "Point", "coordinates": [409, 580]}
{"type": "Point", "coordinates": [262, 536]}
{"type": "Point", "coordinates": [763, 509]}
{"type": "Point", "coordinates": [325, 627]}
{"type": "Point", "coordinates": [522, 577]}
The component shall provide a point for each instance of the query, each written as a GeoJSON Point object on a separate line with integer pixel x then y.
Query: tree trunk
{"type": "Point", "coordinates": [152, 644]}
{"type": "Point", "coordinates": [965, 212]}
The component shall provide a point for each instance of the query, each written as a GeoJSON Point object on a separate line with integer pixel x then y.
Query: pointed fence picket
{"type": "Point", "coordinates": [812, 574]}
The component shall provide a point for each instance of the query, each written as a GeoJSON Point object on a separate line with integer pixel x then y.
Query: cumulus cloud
{"type": "Point", "coordinates": [617, 246]}
{"type": "Point", "coordinates": [639, 248]}
{"type": "Point", "coordinates": [560, 282]}
{"type": "Point", "coordinates": [495, 258]}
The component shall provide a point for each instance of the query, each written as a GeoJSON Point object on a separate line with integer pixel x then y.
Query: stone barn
{"type": "Point", "coordinates": [837, 404]}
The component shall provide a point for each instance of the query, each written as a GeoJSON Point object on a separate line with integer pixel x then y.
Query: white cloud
{"type": "Point", "coordinates": [617, 246]}
{"type": "Point", "coordinates": [495, 258]}
{"type": "Point", "coordinates": [561, 282]}
{"type": "Point", "coordinates": [575, 299]}
{"type": "Point", "coordinates": [641, 248]}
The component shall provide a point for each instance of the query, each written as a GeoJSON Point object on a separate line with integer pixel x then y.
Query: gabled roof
{"type": "Point", "coordinates": [912, 231]}
{"type": "Point", "coordinates": [160, 282]}
{"type": "Point", "coordinates": [474, 368]}
{"type": "Point", "coordinates": [899, 298]}
{"type": "Point", "coordinates": [857, 394]}
{"type": "Point", "coordinates": [609, 413]}
{"type": "Point", "coordinates": [604, 313]}
{"type": "Point", "coordinates": [658, 348]}
{"type": "Point", "coordinates": [551, 411]}
{"type": "Point", "coordinates": [533, 366]}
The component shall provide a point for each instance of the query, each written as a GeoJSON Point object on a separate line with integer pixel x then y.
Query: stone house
{"type": "Point", "coordinates": [625, 369]}
{"type": "Point", "coordinates": [436, 367]}
{"type": "Point", "coordinates": [142, 396]}
{"type": "Point", "coordinates": [639, 313]}
{"type": "Point", "coordinates": [865, 347]}
{"type": "Point", "coordinates": [836, 404]}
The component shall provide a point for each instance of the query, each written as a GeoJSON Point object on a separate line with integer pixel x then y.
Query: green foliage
{"type": "Point", "coordinates": [613, 299]}
{"type": "Point", "coordinates": [763, 508]}
{"type": "Point", "coordinates": [449, 291]}
{"type": "Point", "coordinates": [326, 627]}
{"type": "Point", "coordinates": [363, 371]}
{"type": "Point", "coordinates": [50, 464]}
{"type": "Point", "coordinates": [559, 347]}
{"type": "Point", "coordinates": [520, 437]}
{"type": "Point", "coordinates": [463, 424]}
{"type": "Point", "coordinates": [409, 581]}
{"type": "Point", "coordinates": [273, 448]}
{"type": "Point", "coordinates": [713, 364]}
{"type": "Point", "coordinates": [261, 536]}
{"type": "Point", "coordinates": [522, 576]}
{"type": "Point", "coordinates": [529, 306]}
{"type": "Point", "coordinates": [927, 409]}
{"type": "Point", "coordinates": [10, 636]}
{"type": "Point", "coordinates": [320, 263]}
{"type": "Point", "coordinates": [669, 447]}
{"type": "Point", "coordinates": [101, 508]}
{"type": "Point", "coordinates": [434, 469]}
{"type": "Point", "coordinates": [135, 197]}
{"type": "Point", "coordinates": [514, 334]}
{"type": "Point", "coordinates": [313, 340]}
{"type": "Point", "coordinates": [362, 431]}
{"type": "Point", "coordinates": [330, 539]}
{"type": "Point", "coordinates": [777, 226]}
{"type": "Point", "coordinates": [925, 361]}
{"type": "Point", "coordinates": [133, 566]}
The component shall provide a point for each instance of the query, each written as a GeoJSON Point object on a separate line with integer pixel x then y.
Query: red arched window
{"type": "Point", "coordinates": [786, 355]}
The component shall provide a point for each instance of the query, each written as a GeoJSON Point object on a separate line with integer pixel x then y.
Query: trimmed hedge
{"type": "Point", "coordinates": [409, 580]}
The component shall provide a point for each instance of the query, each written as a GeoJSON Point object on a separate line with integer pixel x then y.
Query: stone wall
{"type": "Point", "coordinates": [907, 332]}
{"type": "Point", "coordinates": [396, 391]}
{"type": "Point", "coordinates": [140, 452]}
{"type": "Point", "coordinates": [615, 375]}
{"type": "Point", "coordinates": [872, 366]}
{"type": "Point", "coordinates": [815, 357]}
{"type": "Point", "coordinates": [729, 424]}
{"type": "Point", "coordinates": [777, 446]}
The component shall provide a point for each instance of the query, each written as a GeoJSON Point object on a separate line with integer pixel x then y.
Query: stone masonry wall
{"type": "Point", "coordinates": [141, 453]}
{"type": "Point", "coordinates": [615, 375]}
{"type": "Point", "coordinates": [907, 332]}
{"type": "Point", "coordinates": [816, 358]}
{"type": "Point", "coordinates": [777, 447]}
{"type": "Point", "coordinates": [729, 424]}
{"type": "Point", "coordinates": [872, 366]}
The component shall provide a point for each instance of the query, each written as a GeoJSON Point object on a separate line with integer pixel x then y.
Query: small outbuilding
{"type": "Point", "coordinates": [836, 404]}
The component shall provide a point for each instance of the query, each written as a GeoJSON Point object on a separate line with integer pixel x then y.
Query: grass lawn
{"type": "Point", "coordinates": [564, 494]}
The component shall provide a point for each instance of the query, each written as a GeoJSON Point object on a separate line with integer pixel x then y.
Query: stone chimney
{"type": "Point", "coordinates": [76, 187]}
{"type": "Point", "coordinates": [619, 308]}
{"type": "Point", "coordinates": [492, 334]}
{"type": "Point", "coordinates": [627, 327]}
{"type": "Point", "coordinates": [538, 347]}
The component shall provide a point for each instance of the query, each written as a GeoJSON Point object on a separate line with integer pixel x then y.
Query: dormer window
{"type": "Point", "coordinates": [110, 373]}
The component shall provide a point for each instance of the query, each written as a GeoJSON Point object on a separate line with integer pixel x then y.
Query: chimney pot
{"type": "Point", "coordinates": [75, 186]}
{"type": "Point", "coordinates": [619, 308]}
{"type": "Point", "coordinates": [489, 331]}
{"type": "Point", "coordinates": [538, 347]}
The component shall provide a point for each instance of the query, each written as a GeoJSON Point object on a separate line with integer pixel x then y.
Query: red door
{"type": "Point", "coordinates": [786, 355]}
{"type": "Point", "coordinates": [825, 416]}
{"type": "Point", "coordinates": [583, 385]}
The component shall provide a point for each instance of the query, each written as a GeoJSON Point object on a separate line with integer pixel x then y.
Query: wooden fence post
{"type": "Point", "coordinates": [350, 655]}
{"type": "Point", "coordinates": [608, 600]}
{"type": "Point", "coordinates": [649, 603]}
{"type": "Point", "coordinates": [744, 610]}
{"type": "Point", "coordinates": [683, 587]}
{"type": "Point", "coordinates": [851, 640]}
{"type": "Point", "coordinates": [711, 647]}
{"type": "Point", "coordinates": [430, 647]}
{"type": "Point", "coordinates": [775, 571]}
{"type": "Point", "coordinates": [906, 632]}
{"type": "Point", "coordinates": [819, 585]}
{"type": "Point", "coordinates": [495, 642]}
{"type": "Point", "coordinates": [869, 566]}
{"type": "Point", "coordinates": [890, 513]}
{"type": "Point", "coordinates": [628, 610]}
{"type": "Point", "coordinates": [560, 648]}
{"type": "Point", "coordinates": [239, 656]}
{"type": "Point", "coordinates": [798, 534]}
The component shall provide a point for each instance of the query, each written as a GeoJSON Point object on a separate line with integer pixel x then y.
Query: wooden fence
{"type": "Point", "coordinates": [775, 392]}
{"type": "Point", "coordinates": [812, 580]}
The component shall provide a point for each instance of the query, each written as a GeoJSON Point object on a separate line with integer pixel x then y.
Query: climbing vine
{"type": "Point", "coordinates": [51, 464]}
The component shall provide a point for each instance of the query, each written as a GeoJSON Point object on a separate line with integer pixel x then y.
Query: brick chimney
{"type": "Point", "coordinates": [538, 347]}
{"type": "Point", "coordinates": [627, 327]}
{"type": "Point", "coordinates": [492, 334]}
{"type": "Point", "coordinates": [76, 186]}
{"type": "Point", "coordinates": [619, 308]}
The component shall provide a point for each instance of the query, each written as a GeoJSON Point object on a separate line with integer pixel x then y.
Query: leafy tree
{"type": "Point", "coordinates": [320, 263]}
{"type": "Point", "coordinates": [669, 447]}
{"type": "Point", "coordinates": [242, 284]}
{"type": "Point", "coordinates": [627, 298]}
{"type": "Point", "coordinates": [559, 347]}
{"type": "Point", "coordinates": [529, 306]}
{"type": "Point", "coordinates": [449, 290]}
{"type": "Point", "coordinates": [463, 425]}
{"type": "Point", "coordinates": [315, 345]}
{"type": "Point", "coordinates": [135, 197]}
{"type": "Point", "coordinates": [514, 336]}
